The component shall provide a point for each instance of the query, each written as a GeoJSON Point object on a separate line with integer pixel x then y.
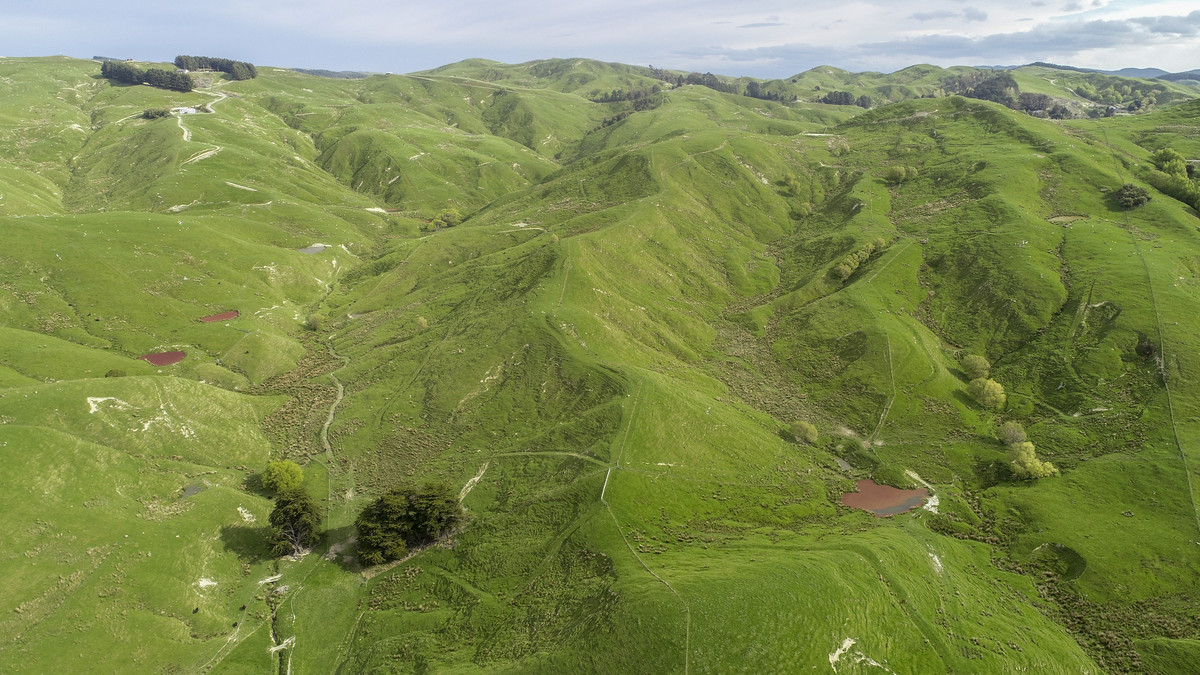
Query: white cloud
{"type": "Point", "coordinates": [758, 37]}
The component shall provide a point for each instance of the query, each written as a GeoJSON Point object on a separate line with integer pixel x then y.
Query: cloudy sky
{"type": "Point", "coordinates": [763, 38]}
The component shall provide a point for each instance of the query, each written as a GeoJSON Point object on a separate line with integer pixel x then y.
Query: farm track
{"type": "Point", "coordinates": [887, 408]}
{"type": "Point", "coordinates": [187, 133]}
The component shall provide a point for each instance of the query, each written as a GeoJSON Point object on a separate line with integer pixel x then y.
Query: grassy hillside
{"type": "Point", "coordinates": [606, 357]}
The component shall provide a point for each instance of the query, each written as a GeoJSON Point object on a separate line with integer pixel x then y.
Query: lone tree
{"type": "Point", "coordinates": [976, 366]}
{"type": "Point", "coordinates": [1130, 195]}
{"type": "Point", "coordinates": [804, 431]}
{"type": "Point", "coordinates": [402, 517]}
{"type": "Point", "coordinates": [447, 218]}
{"type": "Point", "coordinates": [282, 475]}
{"type": "Point", "coordinates": [988, 393]}
{"type": "Point", "coordinates": [1011, 433]}
{"type": "Point", "coordinates": [1025, 463]}
{"type": "Point", "coordinates": [295, 522]}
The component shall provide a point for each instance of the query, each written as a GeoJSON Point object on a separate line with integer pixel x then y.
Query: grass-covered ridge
{"type": "Point", "coordinates": [605, 357]}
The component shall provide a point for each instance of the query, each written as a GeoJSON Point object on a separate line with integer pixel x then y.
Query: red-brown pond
{"type": "Point", "coordinates": [884, 500]}
{"type": "Point", "coordinates": [164, 358]}
{"type": "Point", "coordinates": [223, 316]}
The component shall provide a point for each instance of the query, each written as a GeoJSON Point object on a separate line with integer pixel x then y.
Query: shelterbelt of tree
{"type": "Point", "coordinates": [602, 347]}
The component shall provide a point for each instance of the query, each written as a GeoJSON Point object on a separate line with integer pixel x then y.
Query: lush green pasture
{"type": "Point", "coordinates": [606, 356]}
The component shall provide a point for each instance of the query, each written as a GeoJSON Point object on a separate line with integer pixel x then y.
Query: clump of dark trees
{"type": "Point", "coordinates": [753, 89]}
{"type": "Point", "coordinates": [295, 521]}
{"type": "Point", "coordinates": [846, 98]}
{"type": "Point", "coordinates": [1130, 195]}
{"type": "Point", "coordinates": [1002, 88]}
{"type": "Point", "coordinates": [756, 90]}
{"type": "Point", "coordinates": [642, 99]}
{"type": "Point", "coordinates": [404, 517]}
{"type": "Point", "coordinates": [127, 73]}
{"type": "Point", "coordinates": [704, 80]}
{"type": "Point", "coordinates": [621, 95]}
{"type": "Point", "coordinates": [238, 70]}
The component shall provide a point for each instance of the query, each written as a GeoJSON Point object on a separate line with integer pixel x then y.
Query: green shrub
{"type": "Point", "coordinates": [900, 174]}
{"type": "Point", "coordinates": [848, 265]}
{"type": "Point", "coordinates": [1130, 195]}
{"type": "Point", "coordinates": [447, 218]}
{"type": "Point", "coordinates": [282, 475]}
{"type": "Point", "coordinates": [115, 372]}
{"type": "Point", "coordinates": [1012, 432]}
{"type": "Point", "coordinates": [988, 393]}
{"type": "Point", "coordinates": [975, 366]}
{"type": "Point", "coordinates": [804, 431]}
{"type": "Point", "coordinates": [1025, 463]}
{"type": "Point", "coordinates": [1167, 158]}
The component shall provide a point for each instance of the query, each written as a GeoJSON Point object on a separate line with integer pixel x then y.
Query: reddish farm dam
{"type": "Point", "coordinates": [883, 500]}
{"type": "Point", "coordinates": [164, 358]}
{"type": "Point", "coordinates": [223, 316]}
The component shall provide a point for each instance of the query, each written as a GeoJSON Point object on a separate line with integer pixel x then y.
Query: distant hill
{"type": "Point", "coordinates": [335, 74]}
{"type": "Point", "coordinates": [1143, 73]}
{"type": "Point", "coordinates": [1147, 73]}
{"type": "Point", "coordinates": [1189, 76]}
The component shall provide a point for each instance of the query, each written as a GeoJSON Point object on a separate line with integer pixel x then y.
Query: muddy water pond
{"type": "Point", "coordinates": [883, 500]}
{"type": "Point", "coordinates": [223, 316]}
{"type": "Point", "coordinates": [164, 358]}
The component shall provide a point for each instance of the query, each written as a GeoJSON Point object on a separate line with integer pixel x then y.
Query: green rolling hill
{"type": "Point", "coordinates": [605, 357]}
